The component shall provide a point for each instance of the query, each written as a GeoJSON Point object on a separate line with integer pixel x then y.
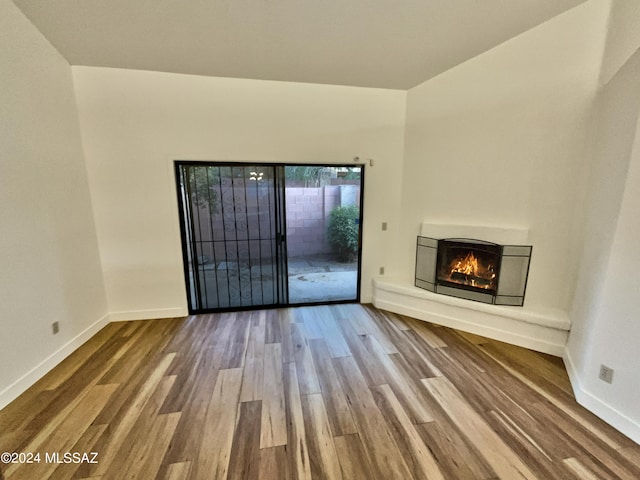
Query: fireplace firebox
{"type": "Point", "coordinates": [470, 265]}
{"type": "Point", "coordinates": [473, 269]}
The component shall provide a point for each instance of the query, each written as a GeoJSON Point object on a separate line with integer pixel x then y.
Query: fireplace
{"type": "Point", "coordinates": [473, 269]}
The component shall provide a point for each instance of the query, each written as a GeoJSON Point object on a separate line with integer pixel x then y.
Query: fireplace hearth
{"type": "Point", "coordinates": [473, 269]}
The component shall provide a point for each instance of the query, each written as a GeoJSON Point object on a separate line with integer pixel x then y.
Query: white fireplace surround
{"type": "Point", "coordinates": [494, 234]}
{"type": "Point", "coordinates": [537, 328]}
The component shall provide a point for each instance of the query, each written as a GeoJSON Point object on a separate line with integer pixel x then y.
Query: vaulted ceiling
{"type": "Point", "coordinates": [369, 43]}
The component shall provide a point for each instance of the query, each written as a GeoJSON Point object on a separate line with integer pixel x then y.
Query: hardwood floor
{"type": "Point", "coordinates": [333, 392]}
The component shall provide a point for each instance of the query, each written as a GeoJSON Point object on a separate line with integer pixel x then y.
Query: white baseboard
{"type": "Point", "coordinates": [599, 408]}
{"type": "Point", "coordinates": [543, 331]}
{"type": "Point", "coordinates": [148, 314]}
{"type": "Point", "coordinates": [14, 390]}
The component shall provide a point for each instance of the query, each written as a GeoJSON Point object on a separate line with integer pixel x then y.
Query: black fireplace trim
{"type": "Point", "coordinates": [427, 276]}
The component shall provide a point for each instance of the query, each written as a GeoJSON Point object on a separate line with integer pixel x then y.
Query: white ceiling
{"type": "Point", "coordinates": [369, 43]}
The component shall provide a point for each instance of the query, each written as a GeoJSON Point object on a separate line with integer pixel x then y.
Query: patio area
{"type": "Point", "coordinates": [320, 278]}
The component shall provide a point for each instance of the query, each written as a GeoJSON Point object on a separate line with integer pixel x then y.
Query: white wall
{"type": "Point", "coordinates": [623, 37]}
{"type": "Point", "coordinates": [499, 141]}
{"type": "Point", "coordinates": [614, 333]}
{"type": "Point", "coordinates": [49, 263]}
{"type": "Point", "coordinates": [136, 123]}
{"type": "Point", "coordinates": [613, 137]}
{"type": "Point", "coordinates": [605, 310]}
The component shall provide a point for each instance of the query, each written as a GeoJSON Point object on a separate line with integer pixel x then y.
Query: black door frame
{"type": "Point", "coordinates": [188, 246]}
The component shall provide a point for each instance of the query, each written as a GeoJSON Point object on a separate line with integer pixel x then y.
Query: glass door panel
{"type": "Point", "coordinates": [233, 245]}
{"type": "Point", "coordinates": [323, 213]}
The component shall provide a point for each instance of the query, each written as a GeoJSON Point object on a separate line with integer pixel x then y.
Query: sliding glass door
{"type": "Point", "coordinates": [269, 235]}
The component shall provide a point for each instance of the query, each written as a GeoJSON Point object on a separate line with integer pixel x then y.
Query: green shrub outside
{"type": "Point", "coordinates": [343, 232]}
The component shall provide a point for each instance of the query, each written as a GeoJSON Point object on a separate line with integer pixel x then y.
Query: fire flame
{"type": "Point", "coordinates": [468, 265]}
{"type": "Point", "coordinates": [474, 272]}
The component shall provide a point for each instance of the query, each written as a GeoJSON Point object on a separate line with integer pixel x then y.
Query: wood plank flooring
{"type": "Point", "coordinates": [330, 392]}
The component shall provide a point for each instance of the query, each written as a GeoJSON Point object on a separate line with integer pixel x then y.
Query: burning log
{"type": "Point", "coordinates": [474, 280]}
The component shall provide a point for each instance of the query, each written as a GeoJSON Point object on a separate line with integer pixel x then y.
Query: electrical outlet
{"type": "Point", "coordinates": [606, 374]}
{"type": "Point", "coordinates": [384, 226]}
{"type": "Point", "coordinates": [55, 326]}
{"type": "Point", "coordinates": [381, 270]}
